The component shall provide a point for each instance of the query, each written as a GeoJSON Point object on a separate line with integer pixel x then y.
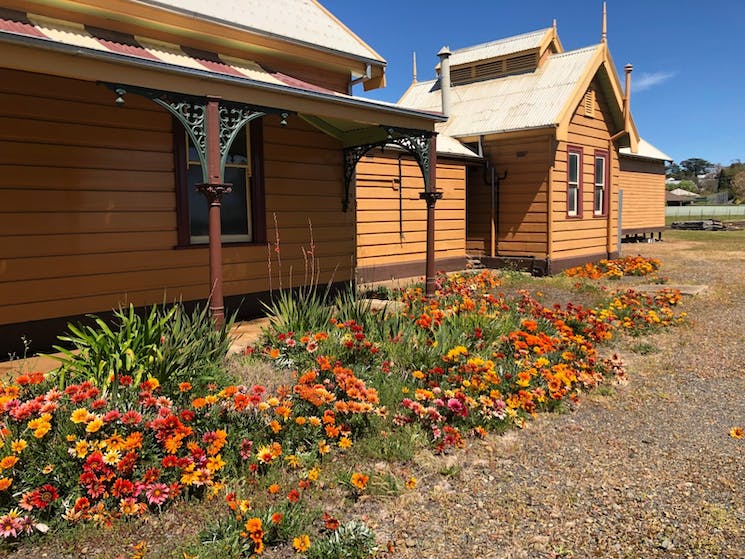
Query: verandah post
{"type": "Point", "coordinates": [213, 190]}
{"type": "Point", "coordinates": [430, 196]}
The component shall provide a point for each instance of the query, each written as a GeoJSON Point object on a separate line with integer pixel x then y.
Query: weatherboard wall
{"type": "Point", "coordinates": [88, 200]}
{"type": "Point", "coordinates": [584, 237]}
{"type": "Point", "coordinates": [643, 184]}
{"type": "Point", "coordinates": [392, 219]}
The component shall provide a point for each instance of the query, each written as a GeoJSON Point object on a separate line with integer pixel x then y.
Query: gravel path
{"type": "Point", "coordinates": [645, 470]}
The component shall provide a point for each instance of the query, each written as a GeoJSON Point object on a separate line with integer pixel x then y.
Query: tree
{"type": "Point", "coordinates": [695, 166]}
{"type": "Point", "coordinates": [672, 170]}
{"type": "Point", "coordinates": [737, 185]}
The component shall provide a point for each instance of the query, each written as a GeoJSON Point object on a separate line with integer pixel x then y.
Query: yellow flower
{"type": "Point", "coordinates": [314, 421]}
{"type": "Point", "coordinates": [94, 425]}
{"type": "Point", "coordinates": [737, 433]}
{"type": "Point", "coordinates": [313, 474]}
{"type": "Point", "coordinates": [301, 543]}
{"type": "Point", "coordinates": [411, 483]}
{"type": "Point", "coordinates": [292, 460]}
{"type": "Point", "coordinates": [215, 463]}
{"type": "Point", "coordinates": [48, 469]}
{"type": "Point", "coordinates": [418, 375]}
{"type": "Point", "coordinates": [81, 449]}
{"type": "Point", "coordinates": [345, 442]}
{"type": "Point", "coordinates": [323, 448]}
{"type": "Point", "coordinates": [18, 445]}
{"type": "Point", "coordinates": [80, 415]}
{"type": "Point", "coordinates": [112, 457]}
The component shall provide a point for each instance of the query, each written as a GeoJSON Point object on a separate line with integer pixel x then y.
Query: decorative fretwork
{"type": "Point", "coordinates": [191, 112]}
{"type": "Point", "coordinates": [233, 117]}
{"type": "Point", "coordinates": [416, 142]}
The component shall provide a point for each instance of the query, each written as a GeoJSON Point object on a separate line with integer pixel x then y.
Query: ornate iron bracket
{"type": "Point", "coordinates": [430, 197]}
{"type": "Point", "coordinates": [190, 111]}
{"type": "Point", "coordinates": [415, 142]}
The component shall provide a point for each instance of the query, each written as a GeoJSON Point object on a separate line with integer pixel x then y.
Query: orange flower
{"type": "Point", "coordinates": [277, 518]}
{"type": "Point", "coordinates": [411, 483]}
{"type": "Point", "coordinates": [8, 462]}
{"type": "Point", "coordinates": [359, 480]}
{"type": "Point", "coordinates": [737, 433]}
{"type": "Point", "coordinates": [184, 386]}
{"type": "Point", "coordinates": [253, 525]}
{"type": "Point", "coordinates": [274, 488]}
{"type": "Point", "coordinates": [5, 483]}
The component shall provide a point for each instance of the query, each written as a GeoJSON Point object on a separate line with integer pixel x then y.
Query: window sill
{"type": "Point", "coordinates": [237, 244]}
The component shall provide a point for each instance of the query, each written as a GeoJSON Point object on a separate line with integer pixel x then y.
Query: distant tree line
{"type": "Point", "coordinates": [702, 176]}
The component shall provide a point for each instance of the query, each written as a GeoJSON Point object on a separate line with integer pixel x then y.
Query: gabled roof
{"type": "Point", "coordinates": [303, 21]}
{"type": "Point", "coordinates": [511, 45]}
{"type": "Point", "coordinates": [518, 102]}
{"type": "Point", "coordinates": [645, 150]}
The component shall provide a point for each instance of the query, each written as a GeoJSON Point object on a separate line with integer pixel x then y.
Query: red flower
{"type": "Point", "coordinates": [293, 496]}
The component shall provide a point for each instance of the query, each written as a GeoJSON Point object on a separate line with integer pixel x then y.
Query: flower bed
{"type": "Point", "coordinates": [467, 362]}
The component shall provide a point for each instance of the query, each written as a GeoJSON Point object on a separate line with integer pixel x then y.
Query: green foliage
{"type": "Point", "coordinates": [300, 310]}
{"type": "Point", "coordinates": [102, 353]}
{"type": "Point", "coordinates": [168, 344]}
{"type": "Point", "coordinates": [352, 540]}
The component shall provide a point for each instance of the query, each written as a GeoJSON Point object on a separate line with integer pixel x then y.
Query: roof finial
{"type": "Point", "coordinates": [413, 63]}
{"type": "Point", "coordinates": [554, 25]}
{"type": "Point", "coordinates": [604, 32]}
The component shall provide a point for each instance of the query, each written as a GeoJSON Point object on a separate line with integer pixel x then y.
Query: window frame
{"type": "Point", "coordinates": [577, 213]}
{"type": "Point", "coordinates": [255, 184]}
{"type": "Point", "coordinates": [605, 157]}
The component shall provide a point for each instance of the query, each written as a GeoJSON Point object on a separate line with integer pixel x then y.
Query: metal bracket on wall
{"type": "Point", "coordinates": [191, 110]}
{"type": "Point", "coordinates": [415, 142]}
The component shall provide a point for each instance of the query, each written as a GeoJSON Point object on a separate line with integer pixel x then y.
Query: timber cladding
{"type": "Point", "coordinates": [643, 184]}
{"type": "Point", "coordinates": [520, 201]}
{"type": "Point", "coordinates": [585, 234]}
{"type": "Point", "coordinates": [88, 206]}
{"type": "Point", "coordinates": [391, 218]}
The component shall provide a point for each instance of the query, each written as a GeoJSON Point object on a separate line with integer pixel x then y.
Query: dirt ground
{"type": "Point", "coordinates": [644, 470]}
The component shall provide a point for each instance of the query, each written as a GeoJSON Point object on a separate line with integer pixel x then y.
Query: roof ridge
{"type": "Point", "coordinates": [502, 40]}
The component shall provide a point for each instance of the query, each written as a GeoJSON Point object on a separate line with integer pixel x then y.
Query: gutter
{"type": "Point", "coordinates": [48, 44]}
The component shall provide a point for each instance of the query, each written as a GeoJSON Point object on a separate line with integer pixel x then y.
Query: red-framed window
{"type": "Point", "coordinates": [243, 210]}
{"type": "Point", "coordinates": [574, 181]}
{"type": "Point", "coordinates": [602, 183]}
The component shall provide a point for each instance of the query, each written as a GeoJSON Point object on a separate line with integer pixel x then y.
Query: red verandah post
{"type": "Point", "coordinates": [213, 190]}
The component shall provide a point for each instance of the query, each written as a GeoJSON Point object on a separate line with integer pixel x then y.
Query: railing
{"type": "Point", "coordinates": [698, 212]}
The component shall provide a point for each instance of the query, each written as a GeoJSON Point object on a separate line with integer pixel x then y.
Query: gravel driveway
{"type": "Point", "coordinates": [643, 470]}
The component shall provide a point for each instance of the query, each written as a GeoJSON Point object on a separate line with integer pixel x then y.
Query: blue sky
{"type": "Point", "coordinates": [688, 84]}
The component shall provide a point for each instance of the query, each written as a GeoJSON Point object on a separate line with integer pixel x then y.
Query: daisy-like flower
{"type": "Point", "coordinates": [79, 415]}
{"type": "Point", "coordinates": [5, 482]}
{"type": "Point", "coordinates": [411, 483]}
{"type": "Point", "coordinates": [10, 525]}
{"type": "Point", "coordinates": [157, 493]}
{"type": "Point", "coordinates": [737, 433]}
{"type": "Point", "coordinates": [264, 455]}
{"type": "Point", "coordinates": [112, 457]}
{"type": "Point", "coordinates": [8, 462]}
{"type": "Point", "coordinates": [359, 480]}
{"type": "Point", "coordinates": [301, 543]}
{"type": "Point", "coordinates": [18, 445]}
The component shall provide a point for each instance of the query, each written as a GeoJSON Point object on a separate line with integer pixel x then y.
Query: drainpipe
{"type": "Point", "coordinates": [430, 196]}
{"type": "Point", "coordinates": [444, 55]}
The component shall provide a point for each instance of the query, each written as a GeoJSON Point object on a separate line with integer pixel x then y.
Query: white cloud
{"type": "Point", "coordinates": [647, 80]}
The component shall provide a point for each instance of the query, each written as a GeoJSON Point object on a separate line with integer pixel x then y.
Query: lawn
{"type": "Point", "coordinates": [149, 443]}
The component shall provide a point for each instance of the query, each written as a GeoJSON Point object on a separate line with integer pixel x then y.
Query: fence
{"type": "Point", "coordinates": [698, 212]}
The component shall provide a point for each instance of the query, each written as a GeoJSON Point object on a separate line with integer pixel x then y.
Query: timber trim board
{"type": "Point", "coordinates": [406, 270]}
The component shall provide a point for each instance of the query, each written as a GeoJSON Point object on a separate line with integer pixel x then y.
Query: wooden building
{"type": "Point", "coordinates": [111, 114]}
{"type": "Point", "coordinates": [559, 143]}
{"type": "Point", "coordinates": [391, 222]}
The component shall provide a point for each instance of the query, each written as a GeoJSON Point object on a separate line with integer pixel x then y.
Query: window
{"type": "Point", "coordinates": [242, 211]}
{"type": "Point", "coordinates": [574, 182]}
{"type": "Point", "coordinates": [601, 181]}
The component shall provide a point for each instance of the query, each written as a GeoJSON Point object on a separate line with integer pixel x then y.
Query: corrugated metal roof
{"type": "Point", "coordinates": [47, 33]}
{"type": "Point", "coordinates": [646, 151]}
{"type": "Point", "coordinates": [305, 21]}
{"type": "Point", "coordinates": [522, 101]}
{"type": "Point", "coordinates": [501, 47]}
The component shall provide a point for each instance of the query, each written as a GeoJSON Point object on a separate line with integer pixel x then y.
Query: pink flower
{"type": "Point", "coordinates": [10, 526]}
{"type": "Point", "coordinates": [157, 493]}
{"type": "Point", "coordinates": [131, 418]}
